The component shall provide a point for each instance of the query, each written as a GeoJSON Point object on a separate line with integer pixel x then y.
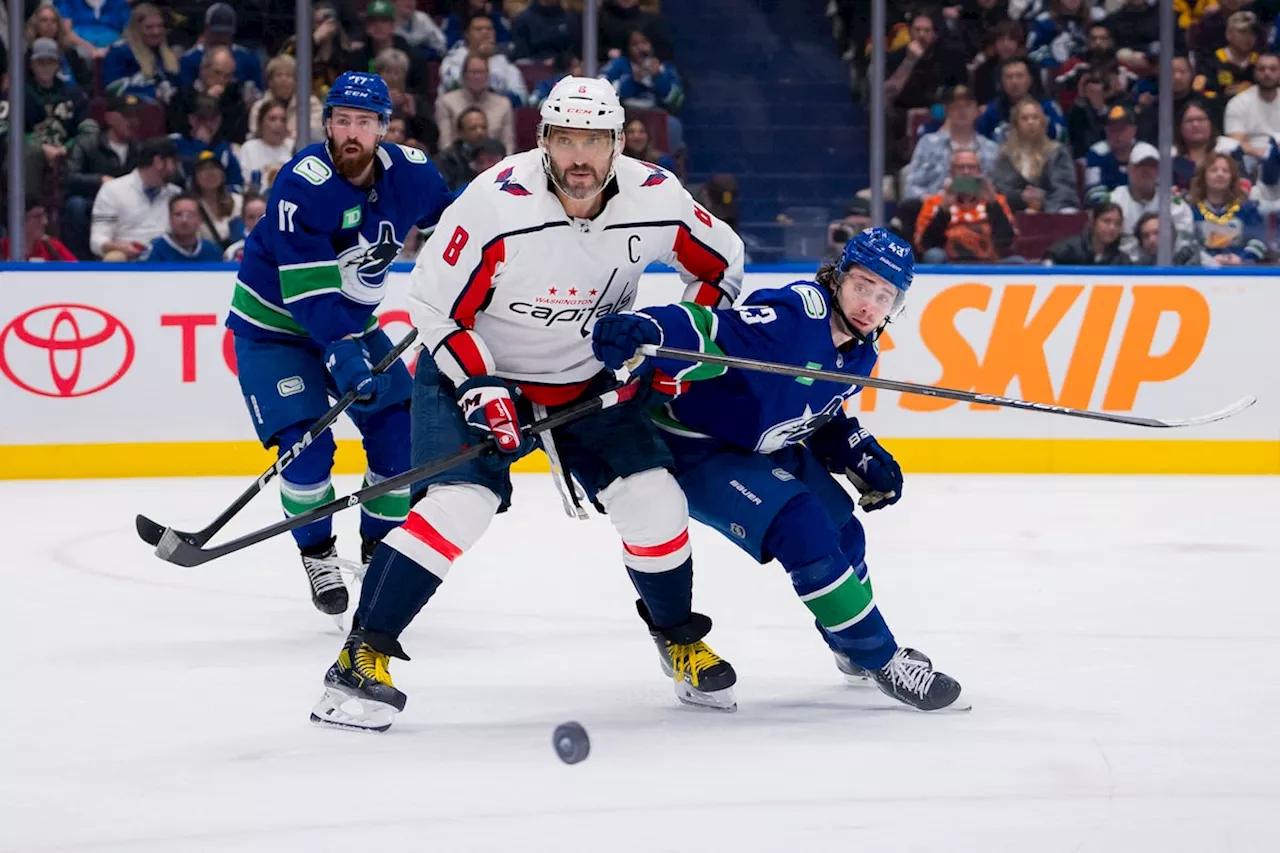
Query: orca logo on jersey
{"type": "Point", "coordinates": [798, 429]}
{"type": "Point", "coordinates": [369, 261]}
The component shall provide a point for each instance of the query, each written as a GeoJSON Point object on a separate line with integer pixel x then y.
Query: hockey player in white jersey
{"type": "Point", "coordinates": [504, 295]}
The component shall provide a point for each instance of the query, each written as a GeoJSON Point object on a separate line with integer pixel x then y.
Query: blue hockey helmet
{"type": "Point", "coordinates": [359, 90]}
{"type": "Point", "coordinates": [884, 254]}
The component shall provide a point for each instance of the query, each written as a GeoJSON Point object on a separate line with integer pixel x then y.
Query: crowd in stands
{"type": "Point", "coordinates": [154, 130]}
{"type": "Point", "coordinates": [1028, 129]}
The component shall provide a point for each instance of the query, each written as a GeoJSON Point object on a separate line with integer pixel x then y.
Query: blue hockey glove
{"type": "Point", "coordinates": [616, 338]}
{"type": "Point", "coordinates": [872, 470]}
{"type": "Point", "coordinates": [347, 361]}
{"type": "Point", "coordinates": [491, 413]}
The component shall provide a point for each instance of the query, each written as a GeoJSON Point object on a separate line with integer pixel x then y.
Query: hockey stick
{"type": "Point", "coordinates": [945, 393]}
{"type": "Point", "coordinates": [174, 549]}
{"type": "Point", "coordinates": [152, 532]}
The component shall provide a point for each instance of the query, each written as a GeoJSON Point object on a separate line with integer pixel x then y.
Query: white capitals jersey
{"type": "Point", "coordinates": [509, 285]}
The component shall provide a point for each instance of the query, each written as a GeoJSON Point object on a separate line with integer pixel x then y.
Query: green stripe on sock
{"type": "Point", "coordinates": [303, 281]}
{"type": "Point", "coordinates": [296, 503]}
{"type": "Point", "coordinates": [840, 605]}
{"type": "Point", "coordinates": [393, 506]}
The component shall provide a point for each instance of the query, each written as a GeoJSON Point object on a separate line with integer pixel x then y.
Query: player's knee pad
{"type": "Point", "coordinates": [386, 440]}
{"type": "Point", "coordinates": [650, 513]}
{"type": "Point", "coordinates": [853, 544]}
{"type": "Point", "coordinates": [449, 519]}
{"type": "Point", "coordinates": [801, 534]}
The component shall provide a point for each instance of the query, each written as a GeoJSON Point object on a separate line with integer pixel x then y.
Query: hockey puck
{"type": "Point", "coordinates": [571, 742]}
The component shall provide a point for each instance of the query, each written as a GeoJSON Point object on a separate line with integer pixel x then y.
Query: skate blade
{"type": "Point", "coordinates": [342, 711]}
{"type": "Point", "coordinates": [723, 701]}
{"type": "Point", "coordinates": [858, 680]}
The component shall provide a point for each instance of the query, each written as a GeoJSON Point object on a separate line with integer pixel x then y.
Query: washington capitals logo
{"type": "Point", "coordinates": [370, 260]}
{"type": "Point", "coordinates": [508, 185]}
{"type": "Point", "coordinates": [656, 176]}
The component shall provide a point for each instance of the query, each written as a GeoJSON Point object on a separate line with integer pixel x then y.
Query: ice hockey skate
{"type": "Point", "coordinates": [859, 676]}
{"type": "Point", "coordinates": [701, 677]}
{"type": "Point", "coordinates": [324, 575]}
{"type": "Point", "coordinates": [916, 683]}
{"type": "Point", "coordinates": [358, 691]}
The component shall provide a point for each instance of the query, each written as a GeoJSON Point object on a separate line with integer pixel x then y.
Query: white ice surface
{"type": "Point", "coordinates": [1118, 638]}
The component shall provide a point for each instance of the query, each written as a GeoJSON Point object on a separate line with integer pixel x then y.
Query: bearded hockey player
{"type": "Point", "coordinates": [313, 272]}
{"type": "Point", "coordinates": [505, 294]}
{"type": "Point", "coordinates": [755, 452]}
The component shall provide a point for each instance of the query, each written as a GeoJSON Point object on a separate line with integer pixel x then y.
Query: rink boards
{"type": "Point", "coordinates": [110, 371]}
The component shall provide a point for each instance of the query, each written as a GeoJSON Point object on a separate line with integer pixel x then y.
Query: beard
{"type": "Point", "coordinates": [561, 178]}
{"type": "Point", "coordinates": [350, 166]}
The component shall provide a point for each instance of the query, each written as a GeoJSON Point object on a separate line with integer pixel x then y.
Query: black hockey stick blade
{"type": "Point", "coordinates": [153, 532]}
{"type": "Point", "coordinates": [945, 393]}
{"type": "Point", "coordinates": [173, 548]}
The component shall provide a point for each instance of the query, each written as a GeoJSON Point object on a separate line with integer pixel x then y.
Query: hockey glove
{"type": "Point", "coordinates": [617, 337]}
{"type": "Point", "coordinates": [491, 413]}
{"type": "Point", "coordinates": [347, 361]}
{"type": "Point", "coordinates": [874, 473]}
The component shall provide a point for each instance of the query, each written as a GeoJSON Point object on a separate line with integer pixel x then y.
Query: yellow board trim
{"type": "Point", "coordinates": [917, 455]}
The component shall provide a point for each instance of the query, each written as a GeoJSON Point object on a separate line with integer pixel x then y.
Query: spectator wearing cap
{"type": "Point", "coordinates": [475, 93]}
{"type": "Point", "coordinates": [1097, 59]}
{"type": "Point", "coordinates": [620, 18]}
{"type": "Point", "coordinates": [1253, 116]}
{"type": "Point", "coordinates": [1097, 245]}
{"type": "Point", "coordinates": [217, 82]}
{"type": "Point", "coordinates": [419, 30]}
{"type": "Point", "coordinates": [282, 88]}
{"type": "Point", "coordinates": [639, 144]}
{"type": "Point", "coordinates": [35, 230]}
{"type": "Point", "coordinates": [1228, 226]}
{"type": "Point", "coordinates": [380, 35]}
{"type": "Point", "coordinates": [57, 112]}
{"type": "Point", "coordinates": [544, 31]}
{"type": "Point", "coordinates": [642, 80]}
{"type": "Point", "coordinates": [255, 207]}
{"type": "Point", "coordinates": [968, 220]}
{"type": "Point", "coordinates": [504, 77]}
{"type": "Point", "coordinates": [46, 22]}
{"type": "Point", "coordinates": [1033, 172]}
{"type": "Point", "coordinates": [1106, 165]}
{"type": "Point", "coordinates": [204, 135]}
{"type": "Point", "coordinates": [131, 211]}
{"type": "Point", "coordinates": [1139, 197]}
{"type": "Point", "coordinates": [1015, 84]}
{"type": "Point", "coordinates": [181, 241]}
{"type": "Point", "coordinates": [95, 24]}
{"type": "Point", "coordinates": [931, 161]}
{"type": "Point", "coordinates": [220, 30]}
{"type": "Point", "coordinates": [94, 161]}
{"type": "Point", "coordinates": [1229, 70]}
{"type": "Point", "coordinates": [262, 157]}
{"type": "Point", "coordinates": [142, 63]}
{"type": "Point", "coordinates": [455, 161]}
{"type": "Point", "coordinates": [455, 25]}
{"type": "Point", "coordinates": [219, 208]}
{"type": "Point", "coordinates": [1196, 139]}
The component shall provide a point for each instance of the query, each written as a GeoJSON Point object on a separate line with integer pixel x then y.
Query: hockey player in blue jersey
{"type": "Point", "coordinates": [756, 452]}
{"type": "Point", "coordinates": [314, 270]}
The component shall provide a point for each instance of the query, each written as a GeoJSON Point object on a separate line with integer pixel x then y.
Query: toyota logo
{"type": "Point", "coordinates": [65, 350]}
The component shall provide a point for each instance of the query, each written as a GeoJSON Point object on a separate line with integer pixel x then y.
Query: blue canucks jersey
{"type": "Point", "coordinates": [316, 264]}
{"type": "Point", "coordinates": [762, 412]}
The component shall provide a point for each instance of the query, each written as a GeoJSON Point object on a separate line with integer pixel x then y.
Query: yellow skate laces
{"type": "Point", "coordinates": [692, 659]}
{"type": "Point", "coordinates": [369, 663]}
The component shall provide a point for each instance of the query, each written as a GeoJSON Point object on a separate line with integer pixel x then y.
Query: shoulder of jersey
{"type": "Point", "coordinates": [517, 177]}
{"type": "Point", "coordinates": [309, 168]}
{"type": "Point", "coordinates": [636, 177]}
{"type": "Point", "coordinates": [807, 300]}
{"type": "Point", "coordinates": [406, 154]}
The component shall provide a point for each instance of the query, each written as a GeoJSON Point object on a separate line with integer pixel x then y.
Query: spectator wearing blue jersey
{"type": "Point", "coordinates": [565, 65]}
{"type": "Point", "coordinates": [642, 81]}
{"type": "Point", "coordinates": [142, 63]}
{"type": "Point", "coordinates": [1228, 226]}
{"type": "Point", "coordinates": [95, 23]}
{"type": "Point", "coordinates": [1061, 32]}
{"type": "Point", "coordinates": [204, 136]}
{"type": "Point", "coordinates": [220, 29]}
{"type": "Point", "coordinates": [1015, 84]}
{"type": "Point", "coordinates": [1266, 192]}
{"type": "Point", "coordinates": [182, 242]}
{"type": "Point", "coordinates": [455, 26]}
{"type": "Point", "coordinates": [544, 31]}
{"type": "Point", "coordinates": [1107, 163]}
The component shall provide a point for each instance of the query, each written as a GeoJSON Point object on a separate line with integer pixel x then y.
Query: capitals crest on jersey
{"type": "Point", "coordinates": [656, 176]}
{"type": "Point", "coordinates": [364, 266]}
{"type": "Point", "coordinates": [508, 185]}
{"type": "Point", "coordinates": [798, 429]}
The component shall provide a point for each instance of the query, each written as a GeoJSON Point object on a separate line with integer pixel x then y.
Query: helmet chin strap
{"type": "Point", "coordinates": [853, 330]}
{"type": "Point", "coordinates": [551, 173]}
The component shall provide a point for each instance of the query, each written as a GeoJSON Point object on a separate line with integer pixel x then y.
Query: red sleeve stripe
{"type": "Point", "coordinates": [461, 346]}
{"type": "Point", "coordinates": [477, 290]}
{"type": "Point", "coordinates": [697, 257]}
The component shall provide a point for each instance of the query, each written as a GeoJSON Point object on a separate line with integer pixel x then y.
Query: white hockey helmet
{"type": "Point", "coordinates": [583, 103]}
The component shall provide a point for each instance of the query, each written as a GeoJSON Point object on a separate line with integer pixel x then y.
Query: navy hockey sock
{"type": "Point", "coordinates": [667, 595]}
{"type": "Point", "coordinates": [395, 588]}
